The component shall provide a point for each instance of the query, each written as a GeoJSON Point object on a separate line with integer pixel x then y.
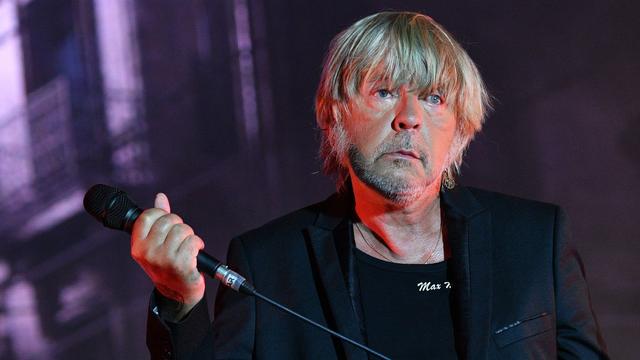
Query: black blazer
{"type": "Point", "coordinates": [519, 289]}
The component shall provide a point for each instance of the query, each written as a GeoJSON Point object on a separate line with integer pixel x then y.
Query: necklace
{"type": "Point", "coordinates": [433, 251]}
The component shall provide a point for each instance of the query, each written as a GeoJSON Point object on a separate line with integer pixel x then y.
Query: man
{"type": "Point", "coordinates": [400, 259]}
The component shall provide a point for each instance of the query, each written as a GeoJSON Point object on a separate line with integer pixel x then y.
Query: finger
{"type": "Point", "coordinates": [162, 202]}
{"type": "Point", "coordinates": [145, 221]}
{"type": "Point", "coordinates": [160, 229]}
{"type": "Point", "coordinates": [176, 236]}
{"type": "Point", "coordinates": [190, 247]}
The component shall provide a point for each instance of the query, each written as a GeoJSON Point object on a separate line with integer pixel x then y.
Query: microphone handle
{"type": "Point", "coordinates": [216, 269]}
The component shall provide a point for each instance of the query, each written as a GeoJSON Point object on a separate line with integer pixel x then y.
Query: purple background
{"type": "Point", "coordinates": [218, 114]}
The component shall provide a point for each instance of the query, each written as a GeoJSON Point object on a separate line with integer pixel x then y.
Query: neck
{"type": "Point", "coordinates": [408, 232]}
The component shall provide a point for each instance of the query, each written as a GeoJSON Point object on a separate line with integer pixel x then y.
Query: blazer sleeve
{"type": "Point", "coordinates": [578, 334]}
{"type": "Point", "coordinates": [188, 339]}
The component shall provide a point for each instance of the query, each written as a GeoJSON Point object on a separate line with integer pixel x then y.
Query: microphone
{"type": "Point", "coordinates": [113, 208]}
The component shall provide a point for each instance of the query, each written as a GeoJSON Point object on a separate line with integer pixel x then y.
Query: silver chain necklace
{"type": "Point", "coordinates": [433, 251]}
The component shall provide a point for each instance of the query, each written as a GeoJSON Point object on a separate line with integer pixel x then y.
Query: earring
{"type": "Point", "coordinates": [448, 182]}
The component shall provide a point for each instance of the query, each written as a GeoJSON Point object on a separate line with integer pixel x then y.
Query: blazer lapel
{"type": "Point", "coordinates": [468, 227]}
{"type": "Point", "coordinates": [331, 252]}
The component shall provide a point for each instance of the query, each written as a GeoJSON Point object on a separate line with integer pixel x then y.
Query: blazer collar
{"type": "Point", "coordinates": [468, 227]}
{"type": "Point", "coordinates": [331, 248]}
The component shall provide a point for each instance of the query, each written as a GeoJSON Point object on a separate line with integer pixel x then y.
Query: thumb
{"type": "Point", "coordinates": [162, 202]}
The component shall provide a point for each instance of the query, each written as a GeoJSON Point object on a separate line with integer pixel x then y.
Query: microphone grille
{"type": "Point", "coordinates": [109, 205]}
{"type": "Point", "coordinates": [96, 199]}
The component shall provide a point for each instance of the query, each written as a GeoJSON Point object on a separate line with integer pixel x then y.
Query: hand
{"type": "Point", "coordinates": [166, 249]}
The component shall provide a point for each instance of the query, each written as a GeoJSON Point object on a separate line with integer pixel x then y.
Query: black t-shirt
{"type": "Point", "coordinates": [406, 308]}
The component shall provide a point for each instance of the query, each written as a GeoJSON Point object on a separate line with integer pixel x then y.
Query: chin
{"type": "Point", "coordinates": [401, 199]}
{"type": "Point", "coordinates": [396, 189]}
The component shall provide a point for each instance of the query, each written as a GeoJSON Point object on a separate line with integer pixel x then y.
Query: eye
{"type": "Point", "coordinates": [383, 93]}
{"type": "Point", "coordinates": [435, 99]}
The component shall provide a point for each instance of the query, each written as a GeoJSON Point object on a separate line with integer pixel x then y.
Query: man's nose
{"type": "Point", "coordinates": [409, 113]}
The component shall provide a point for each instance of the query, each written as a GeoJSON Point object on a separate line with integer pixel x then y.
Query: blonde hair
{"type": "Point", "coordinates": [403, 48]}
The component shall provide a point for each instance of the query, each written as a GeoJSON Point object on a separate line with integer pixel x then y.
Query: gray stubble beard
{"type": "Point", "coordinates": [393, 188]}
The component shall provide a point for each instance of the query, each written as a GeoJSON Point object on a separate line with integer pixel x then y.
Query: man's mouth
{"type": "Point", "coordinates": [406, 153]}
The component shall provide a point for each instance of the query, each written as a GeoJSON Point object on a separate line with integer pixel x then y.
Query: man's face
{"type": "Point", "coordinates": [398, 139]}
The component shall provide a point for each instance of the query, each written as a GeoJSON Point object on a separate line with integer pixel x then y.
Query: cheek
{"type": "Point", "coordinates": [365, 129]}
{"type": "Point", "coordinates": [443, 137]}
{"type": "Point", "coordinates": [442, 147]}
{"type": "Point", "coordinates": [442, 134]}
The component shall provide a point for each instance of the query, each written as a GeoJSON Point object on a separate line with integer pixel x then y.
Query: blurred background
{"type": "Point", "coordinates": [211, 102]}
